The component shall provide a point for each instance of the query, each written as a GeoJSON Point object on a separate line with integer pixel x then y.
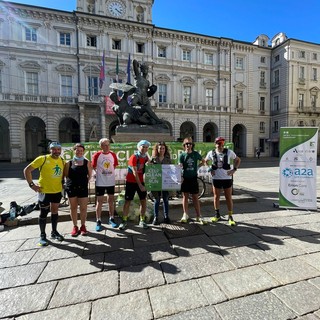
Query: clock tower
{"type": "Point", "coordinates": [133, 10]}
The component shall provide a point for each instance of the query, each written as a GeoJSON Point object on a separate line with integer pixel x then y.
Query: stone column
{"type": "Point", "coordinates": [82, 123]}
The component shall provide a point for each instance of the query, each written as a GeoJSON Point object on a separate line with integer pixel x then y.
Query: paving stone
{"type": "Point", "coordinates": [236, 239]}
{"type": "Point", "coordinates": [281, 249]}
{"type": "Point", "coordinates": [241, 282]}
{"type": "Point", "coordinates": [10, 246]}
{"type": "Point", "coordinates": [197, 266]}
{"type": "Point", "coordinates": [85, 288]}
{"type": "Point", "coordinates": [141, 277]}
{"type": "Point", "coordinates": [211, 290]}
{"type": "Point", "coordinates": [174, 298]}
{"type": "Point", "coordinates": [61, 251]}
{"type": "Point", "coordinates": [313, 259]}
{"type": "Point", "coordinates": [15, 258]}
{"type": "Point", "coordinates": [247, 256]}
{"type": "Point", "coordinates": [21, 275]}
{"type": "Point", "coordinates": [262, 306]}
{"type": "Point", "coordinates": [26, 299]}
{"type": "Point", "coordinates": [72, 267]}
{"type": "Point", "coordinates": [145, 239]}
{"type": "Point", "coordinates": [194, 245]}
{"type": "Point", "coordinates": [270, 234]}
{"type": "Point", "coordinates": [78, 311]}
{"type": "Point", "coordinates": [309, 244]}
{"type": "Point", "coordinates": [134, 305]}
{"type": "Point", "coordinates": [131, 257]}
{"type": "Point", "coordinates": [290, 270]}
{"type": "Point", "coordinates": [302, 297]}
{"type": "Point", "coordinates": [178, 230]}
{"type": "Point", "coordinates": [317, 313]}
{"type": "Point", "coordinates": [205, 313]}
{"type": "Point", "coordinates": [22, 233]}
{"type": "Point", "coordinates": [310, 316]}
{"type": "Point", "coordinates": [216, 229]}
{"type": "Point", "coordinates": [108, 245]}
{"type": "Point", "coordinates": [315, 282]}
{"type": "Point", "coordinates": [300, 230]}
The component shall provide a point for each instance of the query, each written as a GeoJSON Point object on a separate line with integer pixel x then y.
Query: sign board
{"type": "Point", "coordinates": [298, 167]}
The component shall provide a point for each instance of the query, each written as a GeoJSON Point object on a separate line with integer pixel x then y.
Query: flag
{"type": "Point", "coordinates": [128, 70]}
{"type": "Point", "coordinates": [102, 75]}
{"type": "Point", "coordinates": [117, 70]}
{"type": "Point", "coordinates": [109, 105]}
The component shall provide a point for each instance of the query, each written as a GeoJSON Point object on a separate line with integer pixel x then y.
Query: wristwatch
{"type": "Point", "coordinates": [31, 184]}
{"type": "Point", "coordinates": [235, 169]}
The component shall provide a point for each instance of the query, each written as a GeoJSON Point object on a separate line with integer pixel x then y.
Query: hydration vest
{"type": "Point", "coordinates": [225, 164]}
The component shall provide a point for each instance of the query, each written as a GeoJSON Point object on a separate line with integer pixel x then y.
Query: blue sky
{"type": "Point", "coordinates": [240, 20]}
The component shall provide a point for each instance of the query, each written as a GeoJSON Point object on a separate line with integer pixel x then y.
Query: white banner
{"type": "Point", "coordinates": [298, 168]}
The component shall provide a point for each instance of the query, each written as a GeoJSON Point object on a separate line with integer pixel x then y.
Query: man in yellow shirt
{"type": "Point", "coordinates": [49, 188]}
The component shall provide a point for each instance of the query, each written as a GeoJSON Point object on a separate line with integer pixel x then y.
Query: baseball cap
{"type": "Point", "coordinates": [219, 139]}
{"type": "Point", "coordinates": [143, 143]}
{"type": "Point", "coordinates": [54, 144]}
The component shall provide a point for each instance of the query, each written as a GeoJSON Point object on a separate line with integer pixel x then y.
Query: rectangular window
{"type": "Point", "coordinates": [66, 86]}
{"type": "Point", "coordinates": [186, 55]}
{"type": "Point", "coordinates": [239, 63]}
{"type": "Point", "coordinates": [93, 86]}
{"type": "Point", "coordinates": [263, 59]}
{"type": "Point", "coordinates": [302, 54]}
{"type": "Point", "coordinates": [262, 103]}
{"type": "Point", "coordinates": [162, 52]}
{"type": "Point", "coordinates": [0, 80]}
{"type": "Point", "coordinates": [239, 100]}
{"type": "Point", "coordinates": [315, 56]}
{"type": "Point", "coordinates": [91, 41]}
{"type": "Point", "coordinates": [31, 34]}
{"type": "Point", "coordinates": [209, 59]}
{"type": "Point", "coordinates": [187, 95]}
{"type": "Point", "coordinates": [314, 101]}
{"type": "Point", "coordinates": [262, 127]}
{"type": "Point", "coordinates": [65, 39]}
{"type": "Point", "coordinates": [116, 44]}
{"type": "Point", "coordinates": [301, 100]}
{"type": "Point", "coordinates": [276, 126]}
{"type": "Point", "coordinates": [209, 97]}
{"type": "Point", "coordinates": [140, 47]}
{"type": "Point", "coordinates": [314, 74]}
{"type": "Point", "coordinates": [276, 103]}
{"type": "Point", "coordinates": [263, 79]}
{"type": "Point", "coordinates": [276, 78]}
{"type": "Point", "coordinates": [162, 93]}
{"type": "Point", "coordinates": [32, 83]}
{"type": "Point", "coordinates": [277, 58]}
{"type": "Point", "coordinates": [301, 73]}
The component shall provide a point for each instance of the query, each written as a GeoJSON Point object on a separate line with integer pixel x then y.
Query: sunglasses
{"type": "Point", "coordinates": [188, 144]}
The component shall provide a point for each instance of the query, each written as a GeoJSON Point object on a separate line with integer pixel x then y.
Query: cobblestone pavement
{"type": "Point", "coordinates": [267, 267]}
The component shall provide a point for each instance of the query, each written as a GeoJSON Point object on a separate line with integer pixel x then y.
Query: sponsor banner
{"type": "Point", "coordinates": [125, 150]}
{"type": "Point", "coordinates": [163, 177]}
{"type": "Point", "coordinates": [298, 167]}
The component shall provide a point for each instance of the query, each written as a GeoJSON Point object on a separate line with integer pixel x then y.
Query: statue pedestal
{"type": "Point", "coordinates": [135, 133]}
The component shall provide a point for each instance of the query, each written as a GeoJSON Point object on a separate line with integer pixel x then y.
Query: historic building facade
{"type": "Point", "coordinates": [50, 68]}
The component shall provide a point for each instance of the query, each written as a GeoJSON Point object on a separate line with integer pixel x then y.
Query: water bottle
{"type": "Point", "coordinates": [12, 213]}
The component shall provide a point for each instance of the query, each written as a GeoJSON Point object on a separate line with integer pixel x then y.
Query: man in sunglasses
{"type": "Point", "coordinates": [189, 160]}
{"type": "Point", "coordinates": [222, 174]}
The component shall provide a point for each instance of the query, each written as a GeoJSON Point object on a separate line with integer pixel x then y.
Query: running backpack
{"type": "Point", "coordinates": [225, 164]}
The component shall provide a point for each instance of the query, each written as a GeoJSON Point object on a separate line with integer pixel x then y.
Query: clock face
{"type": "Point", "coordinates": [116, 8]}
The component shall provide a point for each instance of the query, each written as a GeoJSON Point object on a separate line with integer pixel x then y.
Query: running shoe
{"type": "Point", "coordinates": [155, 221]}
{"type": "Point", "coordinates": [166, 220]}
{"type": "Point", "coordinates": [143, 224]}
{"type": "Point", "coordinates": [231, 221]}
{"type": "Point", "coordinates": [184, 218]}
{"type": "Point", "coordinates": [123, 225]}
{"type": "Point", "coordinates": [75, 231]}
{"type": "Point", "coordinates": [216, 218]}
{"type": "Point", "coordinates": [112, 223]}
{"type": "Point", "coordinates": [56, 236]}
{"type": "Point", "coordinates": [98, 226]}
{"type": "Point", "coordinates": [43, 240]}
{"type": "Point", "coordinates": [83, 230]}
{"type": "Point", "coordinates": [201, 221]}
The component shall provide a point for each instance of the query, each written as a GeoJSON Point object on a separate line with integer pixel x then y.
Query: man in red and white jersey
{"type": "Point", "coordinates": [104, 162]}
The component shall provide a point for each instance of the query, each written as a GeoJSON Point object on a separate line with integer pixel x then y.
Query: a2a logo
{"type": "Point", "coordinates": [297, 172]}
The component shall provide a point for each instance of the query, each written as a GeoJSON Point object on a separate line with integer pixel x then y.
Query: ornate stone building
{"type": "Point", "coordinates": [207, 86]}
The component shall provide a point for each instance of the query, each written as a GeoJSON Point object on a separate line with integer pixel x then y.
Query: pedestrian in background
{"type": "Point", "coordinates": [78, 173]}
{"type": "Point", "coordinates": [104, 162]}
{"type": "Point", "coordinates": [161, 155]}
{"type": "Point", "coordinates": [135, 183]}
{"type": "Point", "coordinates": [189, 160]}
{"type": "Point", "coordinates": [222, 177]}
{"type": "Point", "coordinates": [49, 189]}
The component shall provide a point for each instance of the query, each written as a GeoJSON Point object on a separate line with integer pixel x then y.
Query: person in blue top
{"type": "Point", "coordinates": [189, 160]}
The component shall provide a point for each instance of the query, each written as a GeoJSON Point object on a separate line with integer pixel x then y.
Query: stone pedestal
{"type": "Point", "coordinates": [135, 133]}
